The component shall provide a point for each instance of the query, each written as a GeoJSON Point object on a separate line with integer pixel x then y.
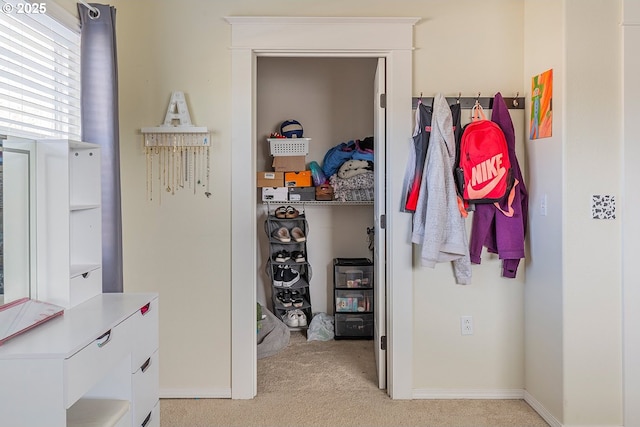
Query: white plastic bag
{"type": "Point", "coordinates": [320, 328]}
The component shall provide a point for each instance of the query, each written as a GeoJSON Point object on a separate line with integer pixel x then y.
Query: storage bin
{"type": "Point", "coordinates": [289, 146]}
{"type": "Point", "coordinates": [354, 325]}
{"type": "Point", "coordinates": [354, 300]}
{"type": "Point", "coordinates": [353, 273]}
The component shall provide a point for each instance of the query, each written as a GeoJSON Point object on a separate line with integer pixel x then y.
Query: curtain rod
{"type": "Point", "coordinates": [94, 12]}
{"type": "Point", "coordinates": [467, 102]}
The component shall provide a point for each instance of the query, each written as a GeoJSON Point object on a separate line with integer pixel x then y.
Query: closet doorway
{"type": "Point", "coordinates": [388, 38]}
{"type": "Point", "coordinates": [337, 100]}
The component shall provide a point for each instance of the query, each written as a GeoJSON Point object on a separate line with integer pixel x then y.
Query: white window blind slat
{"type": "Point", "coordinates": [39, 76]}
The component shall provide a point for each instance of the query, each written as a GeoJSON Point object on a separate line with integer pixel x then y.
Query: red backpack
{"type": "Point", "coordinates": [483, 169]}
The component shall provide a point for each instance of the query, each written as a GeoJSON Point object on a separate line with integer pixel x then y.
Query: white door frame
{"type": "Point", "coordinates": [389, 38]}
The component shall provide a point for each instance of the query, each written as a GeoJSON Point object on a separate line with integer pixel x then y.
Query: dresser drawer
{"type": "Point", "coordinates": [84, 286]}
{"type": "Point", "coordinates": [93, 362]}
{"type": "Point", "coordinates": [145, 388]}
{"type": "Point", "coordinates": [152, 419]}
{"type": "Point", "coordinates": [145, 326]}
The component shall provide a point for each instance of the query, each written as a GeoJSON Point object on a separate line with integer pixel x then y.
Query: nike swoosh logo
{"type": "Point", "coordinates": [482, 193]}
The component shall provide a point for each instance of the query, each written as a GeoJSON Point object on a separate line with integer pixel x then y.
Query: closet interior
{"type": "Point", "coordinates": [333, 100]}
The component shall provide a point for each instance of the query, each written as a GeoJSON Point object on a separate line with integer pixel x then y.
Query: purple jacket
{"type": "Point", "coordinates": [491, 228]}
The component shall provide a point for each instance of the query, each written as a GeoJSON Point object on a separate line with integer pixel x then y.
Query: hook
{"type": "Point", "coordinates": [458, 98]}
{"type": "Point", "coordinates": [515, 100]}
{"type": "Point", "coordinates": [478, 99]}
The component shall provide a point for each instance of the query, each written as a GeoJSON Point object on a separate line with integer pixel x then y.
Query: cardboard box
{"type": "Point", "coordinates": [289, 163]}
{"type": "Point", "coordinates": [302, 194]}
{"type": "Point", "coordinates": [275, 194]}
{"type": "Point", "coordinates": [270, 179]}
{"type": "Point", "coordinates": [297, 179]}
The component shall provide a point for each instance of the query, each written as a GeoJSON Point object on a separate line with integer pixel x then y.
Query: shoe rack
{"type": "Point", "coordinates": [288, 266]}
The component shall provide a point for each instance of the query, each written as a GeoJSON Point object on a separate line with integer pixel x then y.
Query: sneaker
{"type": "Point", "coordinates": [297, 301]}
{"type": "Point", "coordinates": [290, 318]}
{"type": "Point", "coordinates": [281, 234]}
{"type": "Point", "coordinates": [302, 318]}
{"type": "Point", "coordinates": [297, 234]}
{"type": "Point", "coordinates": [298, 256]}
{"type": "Point", "coordinates": [281, 256]}
{"type": "Point", "coordinates": [284, 298]}
{"type": "Point", "coordinates": [277, 276]}
{"type": "Point", "coordinates": [289, 276]}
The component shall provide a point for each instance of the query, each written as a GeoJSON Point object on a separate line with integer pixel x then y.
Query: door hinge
{"type": "Point", "coordinates": [383, 342]}
{"type": "Point", "coordinates": [383, 221]}
{"type": "Point", "coordinates": [383, 100]}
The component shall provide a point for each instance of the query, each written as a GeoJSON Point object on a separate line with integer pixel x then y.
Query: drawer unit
{"type": "Point", "coordinates": [359, 300]}
{"type": "Point", "coordinates": [145, 322]}
{"type": "Point", "coordinates": [152, 419]}
{"type": "Point", "coordinates": [79, 365]}
{"type": "Point", "coordinates": [353, 273]}
{"type": "Point", "coordinates": [96, 360]}
{"type": "Point", "coordinates": [145, 389]}
{"type": "Point", "coordinates": [354, 325]}
{"type": "Point", "coordinates": [353, 296]}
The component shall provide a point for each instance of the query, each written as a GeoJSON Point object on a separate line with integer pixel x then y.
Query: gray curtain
{"type": "Point", "coordinates": [99, 98]}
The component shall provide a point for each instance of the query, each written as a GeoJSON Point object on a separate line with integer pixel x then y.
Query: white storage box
{"type": "Point", "coordinates": [289, 146]}
{"type": "Point", "coordinates": [275, 194]}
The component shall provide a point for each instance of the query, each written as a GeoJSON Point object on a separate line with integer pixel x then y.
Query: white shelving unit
{"type": "Point", "coordinates": [100, 358]}
{"type": "Point", "coordinates": [69, 222]}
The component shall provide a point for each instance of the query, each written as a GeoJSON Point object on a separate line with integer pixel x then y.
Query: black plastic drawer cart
{"type": "Point", "coordinates": [353, 297]}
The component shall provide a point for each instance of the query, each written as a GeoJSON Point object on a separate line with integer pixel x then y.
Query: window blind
{"type": "Point", "coordinates": [39, 73]}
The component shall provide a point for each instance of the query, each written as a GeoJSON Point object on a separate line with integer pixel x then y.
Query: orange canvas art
{"type": "Point", "coordinates": [541, 119]}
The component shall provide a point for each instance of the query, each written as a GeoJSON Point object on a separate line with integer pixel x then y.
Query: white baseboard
{"type": "Point", "coordinates": [190, 393]}
{"type": "Point", "coordinates": [541, 410]}
{"type": "Point", "coordinates": [430, 393]}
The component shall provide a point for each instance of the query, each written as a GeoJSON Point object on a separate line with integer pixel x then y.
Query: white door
{"type": "Point", "coordinates": [379, 253]}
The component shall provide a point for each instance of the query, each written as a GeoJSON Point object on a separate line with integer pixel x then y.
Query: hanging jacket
{"type": "Point", "coordinates": [415, 164]}
{"type": "Point", "coordinates": [499, 229]}
{"type": "Point", "coordinates": [438, 225]}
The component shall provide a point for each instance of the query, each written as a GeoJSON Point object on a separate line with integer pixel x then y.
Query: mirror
{"type": "Point", "coordinates": [17, 216]}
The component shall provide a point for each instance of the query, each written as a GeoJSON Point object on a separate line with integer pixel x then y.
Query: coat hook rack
{"type": "Point", "coordinates": [177, 151]}
{"type": "Point", "coordinates": [513, 103]}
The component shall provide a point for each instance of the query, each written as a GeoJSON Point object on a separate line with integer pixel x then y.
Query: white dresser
{"type": "Point", "coordinates": [104, 348]}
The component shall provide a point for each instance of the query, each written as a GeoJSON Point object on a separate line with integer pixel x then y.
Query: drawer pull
{"type": "Point", "coordinates": [146, 365]}
{"type": "Point", "coordinates": [145, 308]}
{"type": "Point", "coordinates": [106, 336]}
{"type": "Point", "coordinates": [146, 420]}
{"type": "Point", "coordinates": [85, 275]}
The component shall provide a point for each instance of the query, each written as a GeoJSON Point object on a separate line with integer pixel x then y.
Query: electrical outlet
{"type": "Point", "coordinates": [466, 325]}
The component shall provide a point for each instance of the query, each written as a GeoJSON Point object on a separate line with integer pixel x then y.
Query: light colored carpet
{"type": "Point", "coordinates": [333, 383]}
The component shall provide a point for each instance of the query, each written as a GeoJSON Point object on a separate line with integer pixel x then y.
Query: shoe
{"type": "Point", "coordinates": [281, 212]}
{"type": "Point", "coordinates": [284, 298]}
{"type": "Point", "coordinates": [289, 276]}
{"type": "Point", "coordinates": [281, 234]}
{"type": "Point", "coordinates": [297, 301]}
{"type": "Point", "coordinates": [297, 234]}
{"type": "Point", "coordinates": [291, 212]}
{"type": "Point", "coordinates": [277, 276]}
{"type": "Point", "coordinates": [298, 256]}
{"type": "Point", "coordinates": [291, 319]}
{"type": "Point", "coordinates": [302, 318]}
{"type": "Point", "coordinates": [281, 256]}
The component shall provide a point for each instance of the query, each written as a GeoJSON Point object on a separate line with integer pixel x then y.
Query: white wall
{"type": "Point", "coordinates": [592, 248]}
{"type": "Point", "coordinates": [574, 346]}
{"type": "Point", "coordinates": [490, 362]}
{"type": "Point", "coordinates": [544, 50]}
{"type": "Point", "coordinates": [630, 207]}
